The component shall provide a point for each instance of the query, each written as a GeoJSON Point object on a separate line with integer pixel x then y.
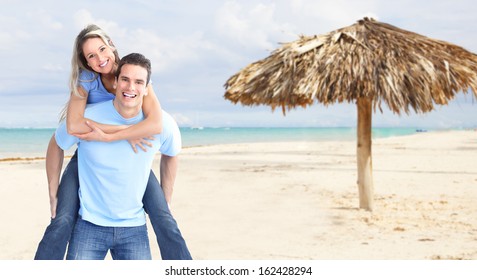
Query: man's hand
{"type": "Point", "coordinates": [141, 143]}
{"type": "Point", "coordinates": [96, 134]}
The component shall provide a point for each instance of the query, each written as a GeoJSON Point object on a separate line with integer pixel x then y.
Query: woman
{"type": "Point", "coordinates": [93, 63]}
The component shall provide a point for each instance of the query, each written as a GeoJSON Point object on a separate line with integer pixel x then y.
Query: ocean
{"type": "Point", "coordinates": [33, 142]}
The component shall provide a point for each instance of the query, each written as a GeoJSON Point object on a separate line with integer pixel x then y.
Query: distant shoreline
{"type": "Point", "coordinates": [31, 144]}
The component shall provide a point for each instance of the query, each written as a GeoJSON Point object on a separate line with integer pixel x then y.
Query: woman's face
{"type": "Point", "coordinates": [100, 57]}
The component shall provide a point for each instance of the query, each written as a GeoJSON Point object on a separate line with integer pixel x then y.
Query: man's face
{"type": "Point", "coordinates": [131, 86]}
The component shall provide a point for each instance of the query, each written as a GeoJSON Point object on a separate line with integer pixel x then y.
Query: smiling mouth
{"type": "Point", "coordinates": [128, 95]}
{"type": "Point", "coordinates": [104, 64]}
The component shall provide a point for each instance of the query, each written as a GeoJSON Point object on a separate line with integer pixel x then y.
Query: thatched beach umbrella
{"type": "Point", "coordinates": [369, 63]}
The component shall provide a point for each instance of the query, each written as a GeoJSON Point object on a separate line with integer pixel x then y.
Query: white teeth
{"type": "Point", "coordinates": [104, 64]}
{"type": "Point", "coordinates": [129, 95]}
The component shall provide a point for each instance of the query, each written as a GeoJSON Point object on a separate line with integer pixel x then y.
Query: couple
{"type": "Point", "coordinates": [116, 181]}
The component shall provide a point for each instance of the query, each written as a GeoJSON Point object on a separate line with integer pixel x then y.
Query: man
{"type": "Point", "coordinates": [113, 178]}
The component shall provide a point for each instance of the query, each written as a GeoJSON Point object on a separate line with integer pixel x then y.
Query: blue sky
{"type": "Point", "coordinates": [195, 46]}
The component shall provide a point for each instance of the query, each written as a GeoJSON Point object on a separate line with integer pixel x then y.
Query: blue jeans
{"type": "Point", "coordinates": [53, 244]}
{"type": "Point", "coordinates": [92, 242]}
{"type": "Point", "coordinates": [171, 243]}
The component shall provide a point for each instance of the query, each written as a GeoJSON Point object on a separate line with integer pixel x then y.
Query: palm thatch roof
{"type": "Point", "coordinates": [370, 59]}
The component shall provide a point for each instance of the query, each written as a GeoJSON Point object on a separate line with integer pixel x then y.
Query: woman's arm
{"type": "Point", "coordinates": [76, 122]}
{"type": "Point", "coordinates": [54, 164]}
{"type": "Point", "coordinates": [152, 124]}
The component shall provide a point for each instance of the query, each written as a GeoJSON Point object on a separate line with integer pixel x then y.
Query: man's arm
{"type": "Point", "coordinates": [168, 171]}
{"type": "Point", "coordinates": [54, 164]}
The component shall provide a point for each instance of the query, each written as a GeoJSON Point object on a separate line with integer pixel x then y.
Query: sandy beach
{"type": "Point", "coordinates": [294, 201]}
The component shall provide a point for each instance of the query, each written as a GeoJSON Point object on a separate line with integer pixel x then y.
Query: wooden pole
{"type": "Point", "coordinates": [365, 166]}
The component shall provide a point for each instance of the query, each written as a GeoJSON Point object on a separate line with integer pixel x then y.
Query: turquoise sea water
{"type": "Point", "coordinates": [34, 141]}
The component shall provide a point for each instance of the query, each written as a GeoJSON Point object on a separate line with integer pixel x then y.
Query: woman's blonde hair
{"type": "Point", "coordinates": [78, 60]}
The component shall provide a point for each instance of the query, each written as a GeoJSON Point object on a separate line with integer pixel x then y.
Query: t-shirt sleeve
{"type": "Point", "coordinates": [63, 139]}
{"type": "Point", "coordinates": [85, 80]}
{"type": "Point", "coordinates": [172, 141]}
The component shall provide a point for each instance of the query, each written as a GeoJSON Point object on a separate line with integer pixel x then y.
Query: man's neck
{"type": "Point", "coordinates": [126, 113]}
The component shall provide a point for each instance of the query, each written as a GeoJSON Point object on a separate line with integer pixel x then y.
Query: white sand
{"type": "Point", "coordinates": [271, 201]}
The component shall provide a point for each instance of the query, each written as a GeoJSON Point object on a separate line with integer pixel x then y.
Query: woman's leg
{"type": "Point", "coordinates": [53, 244]}
{"type": "Point", "coordinates": [171, 243]}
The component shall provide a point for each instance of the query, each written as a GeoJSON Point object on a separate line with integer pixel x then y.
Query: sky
{"type": "Point", "coordinates": [195, 46]}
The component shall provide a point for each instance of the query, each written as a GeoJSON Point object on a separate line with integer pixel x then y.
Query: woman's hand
{"type": "Point", "coordinates": [96, 134]}
{"type": "Point", "coordinates": [141, 143]}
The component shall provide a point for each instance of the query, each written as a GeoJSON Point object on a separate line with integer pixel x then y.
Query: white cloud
{"type": "Point", "coordinates": [44, 19]}
{"type": "Point", "coordinates": [326, 16]}
{"type": "Point", "coordinates": [165, 53]}
{"type": "Point", "coordinates": [8, 41]}
{"type": "Point", "coordinates": [256, 28]}
{"type": "Point", "coordinates": [182, 120]}
{"type": "Point", "coordinates": [13, 35]}
{"type": "Point", "coordinates": [53, 67]}
{"type": "Point", "coordinates": [84, 17]}
{"type": "Point", "coordinates": [196, 47]}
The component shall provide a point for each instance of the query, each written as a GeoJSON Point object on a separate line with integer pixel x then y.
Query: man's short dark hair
{"type": "Point", "coordinates": [135, 59]}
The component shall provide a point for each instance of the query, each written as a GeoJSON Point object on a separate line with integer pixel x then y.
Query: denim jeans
{"type": "Point", "coordinates": [171, 243]}
{"type": "Point", "coordinates": [92, 242]}
{"type": "Point", "coordinates": [53, 244]}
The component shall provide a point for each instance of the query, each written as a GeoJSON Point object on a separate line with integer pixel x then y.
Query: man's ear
{"type": "Point", "coordinates": [115, 82]}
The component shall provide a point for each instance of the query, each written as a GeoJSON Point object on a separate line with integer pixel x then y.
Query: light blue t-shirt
{"type": "Point", "coordinates": [112, 177]}
{"type": "Point", "coordinates": [92, 84]}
